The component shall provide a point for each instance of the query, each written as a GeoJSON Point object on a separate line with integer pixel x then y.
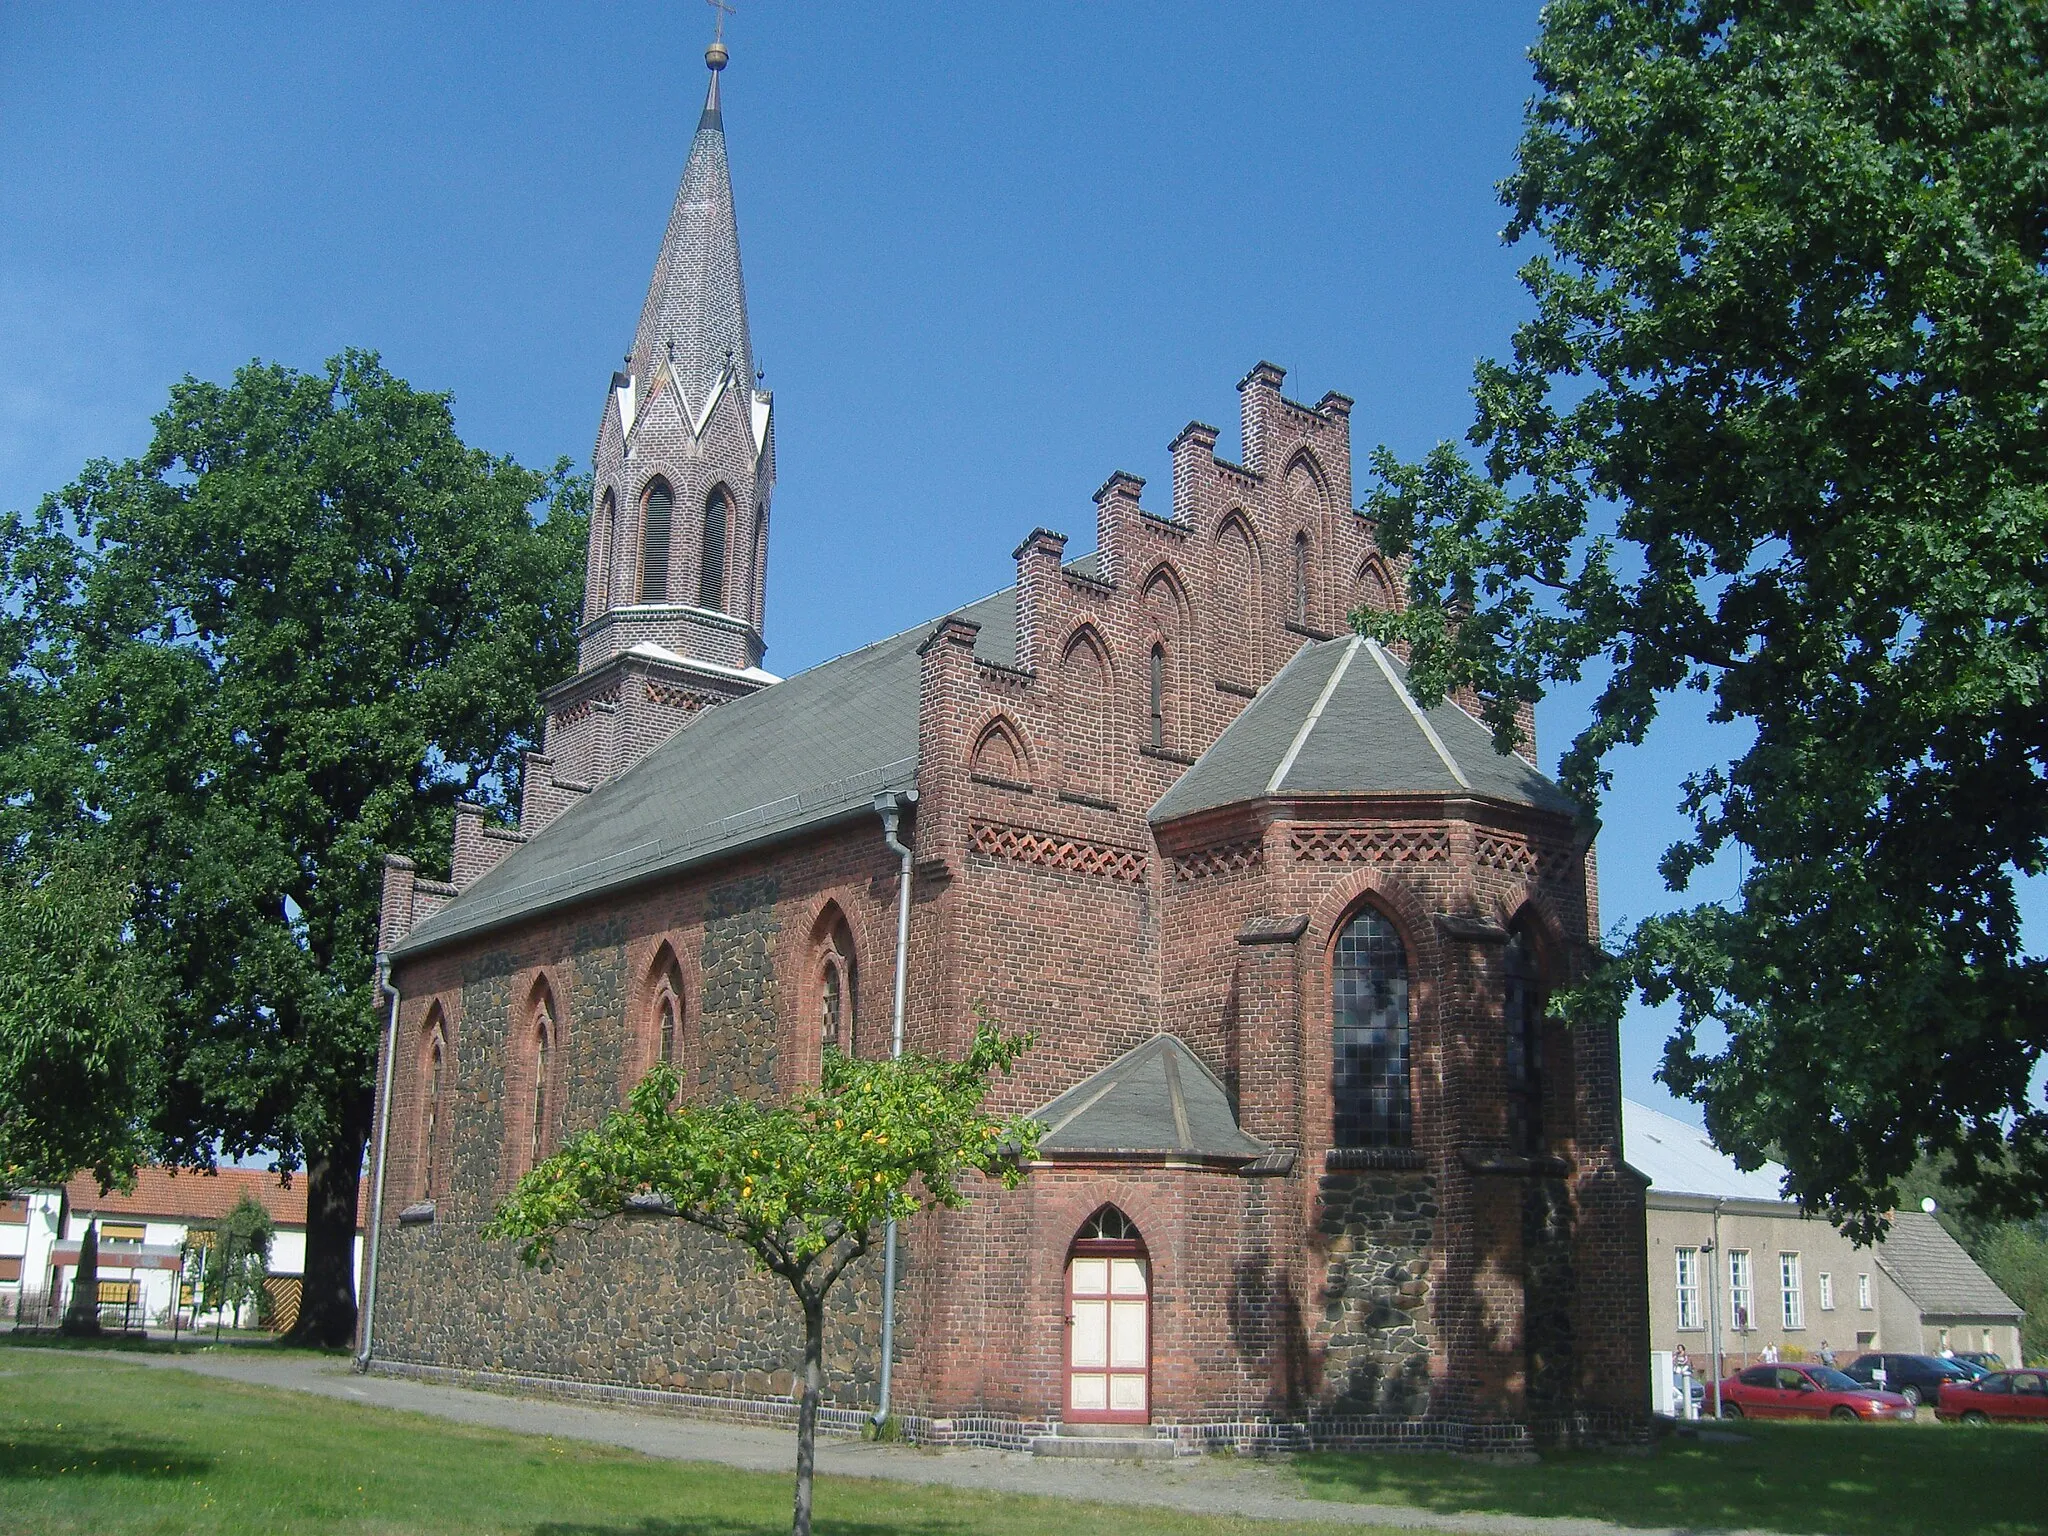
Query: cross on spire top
{"type": "Point", "coordinates": [724, 10]}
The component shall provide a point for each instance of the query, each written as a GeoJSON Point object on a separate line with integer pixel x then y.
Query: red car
{"type": "Point", "coordinates": [2021, 1395]}
{"type": "Point", "coordinates": [1806, 1392]}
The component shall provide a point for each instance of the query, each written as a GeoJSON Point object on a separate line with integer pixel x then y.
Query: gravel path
{"type": "Point", "coordinates": [1210, 1485]}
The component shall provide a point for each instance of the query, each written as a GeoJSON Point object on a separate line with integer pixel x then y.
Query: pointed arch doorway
{"type": "Point", "coordinates": [1109, 1323]}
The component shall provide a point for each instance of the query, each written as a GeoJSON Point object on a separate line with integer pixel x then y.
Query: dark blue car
{"type": "Point", "coordinates": [1916, 1378]}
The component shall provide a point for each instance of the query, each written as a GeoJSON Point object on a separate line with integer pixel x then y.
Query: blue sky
{"type": "Point", "coordinates": [992, 252]}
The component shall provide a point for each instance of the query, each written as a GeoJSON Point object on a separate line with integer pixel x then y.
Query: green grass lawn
{"type": "Point", "coordinates": [1922, 1479]}
{"type": "Point", "coordinates": [95, 1442]}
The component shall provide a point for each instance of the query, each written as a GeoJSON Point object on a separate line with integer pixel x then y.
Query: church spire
{"type": "Point", "coordinates": [693, 326]}
{"type": "Point", "coordinates": [681, 480]}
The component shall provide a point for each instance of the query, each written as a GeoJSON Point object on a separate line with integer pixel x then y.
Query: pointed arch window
{"type": "Point", "coordinates": [1301, 578]}
{"type": "Point", "coordinates": [1524, 1005]}
{"type": "Point", "coordinates": [662, 1037]}
{"type": "Point", "coordinates": [657, 518]}
{"type": "Point", "coordinates": [543, 1050]}
{"type": "Point", "coordinates": [836, 990]}
{"type": "Point", "coordinates": [430, 1114]}
{"type": "Point", "coordinates": [1369, 1035]}
{"type": "Point", "coordinates": [711, 569]}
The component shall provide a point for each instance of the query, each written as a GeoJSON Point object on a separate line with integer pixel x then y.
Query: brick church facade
{"type": "Point", "coordinates": [1315, 1162]}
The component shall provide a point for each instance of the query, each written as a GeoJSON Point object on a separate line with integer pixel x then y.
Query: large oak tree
{"type": "Point", "coordinates": [280, 644]}
{"type": "Point", "coordinates": [1777, 431]}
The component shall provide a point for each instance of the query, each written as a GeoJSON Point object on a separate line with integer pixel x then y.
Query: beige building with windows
{"type": "Point", "coordinates": [1722, 1240]}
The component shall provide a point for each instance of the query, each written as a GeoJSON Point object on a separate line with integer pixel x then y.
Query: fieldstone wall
{"type": "Point", "coordinates": [741, 1031]}
{"type": "Point", "coordinates": [1377, 1328]}
{"type": "Point", "coordinates": [597, 1039]}
{"type": "Point", "coordinates": [478, 1136]}
{"type": "Point", "coordinates": [642, 1301]}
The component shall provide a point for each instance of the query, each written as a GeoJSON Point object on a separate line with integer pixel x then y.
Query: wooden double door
{"type": "Point", "coordinates": [1109, 1334]}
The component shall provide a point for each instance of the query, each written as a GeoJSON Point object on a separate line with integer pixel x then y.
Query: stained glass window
{"type": "Point", "coordinates": [1369, 1040]}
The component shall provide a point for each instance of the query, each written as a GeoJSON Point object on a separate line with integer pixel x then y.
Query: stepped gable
{"type": "Point", "coordinates": [1338, 719]}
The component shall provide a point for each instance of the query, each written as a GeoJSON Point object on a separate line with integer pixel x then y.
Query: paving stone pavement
{"type": "Point", "coordinates": [1210, 1485]}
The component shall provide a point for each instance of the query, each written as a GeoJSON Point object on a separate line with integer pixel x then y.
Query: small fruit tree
{"type": "Point", "coordinates": [805, 1185]}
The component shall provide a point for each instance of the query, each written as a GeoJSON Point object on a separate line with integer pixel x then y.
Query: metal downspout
{"type": "Point", "coordinates": [384, 989]}
{"type": "Point", "coordinates": [890, 808]}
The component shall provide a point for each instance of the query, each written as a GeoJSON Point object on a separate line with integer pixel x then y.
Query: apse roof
{"type": "Point", "coordinates": [1158, 1099]}
{"type": "Point", "coordinates": [1339, 719]}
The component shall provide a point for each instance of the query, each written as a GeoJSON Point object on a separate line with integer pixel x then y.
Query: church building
{"type": "Point", "coordinates": [1317, 1168]}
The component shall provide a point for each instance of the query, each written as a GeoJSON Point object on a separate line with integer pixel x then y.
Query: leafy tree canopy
{"type": "Point", "coordinates": [802, 1185]}
{"type": "Point", "coordinates": [280, 644]}
{"type": "Point", "coordinates": [1776, 433]}
{"type": "Point", "coordinates": [79, 1026]}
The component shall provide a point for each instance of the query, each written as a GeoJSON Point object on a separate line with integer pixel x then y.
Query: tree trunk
{"type": "Point", "coordinates": [807, 1411]}
{"type": "Point", "coordinates": [334, 1176]}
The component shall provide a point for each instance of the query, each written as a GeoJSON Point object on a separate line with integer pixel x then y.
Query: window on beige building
{"type": "Point", "coordinates": [1688, 1288]}
{"type": "Point", "coordinates": [1791, 1292]}
{"type": "Point", "coordinates": [1827, 1291]}
{"type": "Point", "coordinates": [1741, 1299]}
{"type": "Point", "coordinates": [1863, 1292]}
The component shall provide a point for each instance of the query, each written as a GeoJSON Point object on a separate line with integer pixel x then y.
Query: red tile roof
{"type": "Point", "coordinates": [187, 1195]}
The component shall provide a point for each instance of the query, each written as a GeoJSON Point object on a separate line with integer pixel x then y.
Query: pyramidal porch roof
{"type": "Point", "coordinates": [1158, 1101]}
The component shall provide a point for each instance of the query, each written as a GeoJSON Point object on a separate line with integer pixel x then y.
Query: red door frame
{"type": "Point", "coordinates": [1103, 1248]}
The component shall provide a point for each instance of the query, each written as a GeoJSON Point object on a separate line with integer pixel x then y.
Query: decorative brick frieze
{"type": "Point", "coordinates": [1515, 854]}
{"type": "Point", "coordinates": [1363, 845]}
{"type": "Point", "coordinates": [1224, 859]}
{"type": "Point", "coordinates": [674, 696]}
{"type": "Point", "coordinates": [1048, 850]}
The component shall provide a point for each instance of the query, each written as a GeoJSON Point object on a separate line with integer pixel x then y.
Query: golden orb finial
{"type": "Point", "coordinates": [716, 56]}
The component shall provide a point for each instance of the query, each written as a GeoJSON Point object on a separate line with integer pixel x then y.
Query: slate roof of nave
{"type": "Point", "coordinates": [817, 748]}
{"type": "Point", "coordinates": [814, 748]}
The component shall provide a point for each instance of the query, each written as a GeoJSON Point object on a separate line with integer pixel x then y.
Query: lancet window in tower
{"type": "Point", "coordinates": [605, 550]}
{"type": "Point", "coordinates": [711, 571]}
{"type": "Point", "coordinates": [656, 520]}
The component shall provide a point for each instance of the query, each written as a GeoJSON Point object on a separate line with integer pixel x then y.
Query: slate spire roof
{"type": "Point", "coordinates": [693, 327]}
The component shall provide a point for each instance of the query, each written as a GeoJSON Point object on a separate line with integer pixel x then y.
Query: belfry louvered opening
{"type": "Point", "coordinates": [655, 524]}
